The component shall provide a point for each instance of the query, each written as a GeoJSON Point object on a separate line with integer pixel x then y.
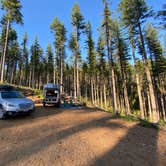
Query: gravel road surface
{"type": "Point", "coordinates": [78, 137]}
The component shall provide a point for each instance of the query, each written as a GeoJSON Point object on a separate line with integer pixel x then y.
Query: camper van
{"type": "Point", "coordinates": [51, 95]}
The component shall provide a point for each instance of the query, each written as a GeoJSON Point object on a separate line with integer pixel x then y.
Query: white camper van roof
{"type": "Point", "coordinates": [51, 86]}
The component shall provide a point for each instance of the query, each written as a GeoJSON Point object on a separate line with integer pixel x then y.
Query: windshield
{"type": "Point", "coordinates": [11, 95]}
{"type": "Point", "coordinates": [51, 93]}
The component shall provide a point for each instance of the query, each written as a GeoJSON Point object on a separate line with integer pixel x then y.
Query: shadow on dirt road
{"type": "Point", "coordinates": [137, 147]}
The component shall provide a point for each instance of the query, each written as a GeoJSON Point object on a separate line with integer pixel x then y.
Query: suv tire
{"type": "Point", "coordinates": [2, 116]}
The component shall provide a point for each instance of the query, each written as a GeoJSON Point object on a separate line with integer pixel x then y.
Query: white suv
{"type": "Point", "coordinates": [12, 102]}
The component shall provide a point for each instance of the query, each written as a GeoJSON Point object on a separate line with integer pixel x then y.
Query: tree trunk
{"type": "Point", "coordinates": [122, 104]}
{"type": "Point", "coordinates": [21, 76]}
{"type": "Point", "coordinates": [33, 78]}
{"type": "Point", "coordinates": [8, 64]}
{"type": "Point", "coordinates": [11, 76]}
{"type": "Point", "coordinates": [140, 95]}
{"type": "Point", "coordinates": [30, 77]}
{"type": "Point", "coordinates": [163, 99]}
{"type": "Point", "coordinates": [4, 51]}
{"type": "Point", "coordinates": [54, 76]}
{"type": "Point", "coordinates": [144, 104]}
{"type": "Point", "coordinates": [112, 79]}
{"type": "Point", "coordinates": [105, 96]}
{"type": "Point", "coordinates": [114, 90]}
{"type": "Point", "coordinates": [95, 94]}
{"type": "Point", "coordinates": [86, 89]}
{"type": "Point", "coordinates": [78, 82]}
{"type": "Point", "coordinates": [126, 98]}
{"type": "Point", "coordinates": [1, 59]}
{"type": "Point", "coordinates": [155, 112]}
{"type": "Point", "coordinates": [163, 110]}
{"type": "Point", "coordinates": [92, 92]}
{"type": "Point", "coordinates": [101, 97]}
{"type": "Point", "coordinates": [61, 73]}
{"type": "Point", "coordinates": [138, 83]}
{"type": "Point", "coordinates": [74, 81]}
{"type": "Point", "coordinates": [150, 106]}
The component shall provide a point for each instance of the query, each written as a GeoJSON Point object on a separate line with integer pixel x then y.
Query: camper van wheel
{"type": "Point", "coordinates": [44, 104]}
{"type": "Point", "coordinates": [58, 104]}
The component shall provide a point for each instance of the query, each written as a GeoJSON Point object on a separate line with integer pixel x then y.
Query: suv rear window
{"type": "Point", "coordinates": [11, 95]}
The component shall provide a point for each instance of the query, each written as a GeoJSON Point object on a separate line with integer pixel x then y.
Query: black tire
{"type": "Point", "coordinates": [2, 115]}
{"type": "Point", "coordinates": [58, 104]}
{"type": "Point", "coordinates": [44, 104]}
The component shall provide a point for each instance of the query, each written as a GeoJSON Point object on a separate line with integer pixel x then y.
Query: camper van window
{"type": "Point", "coordinates": [51, 94]}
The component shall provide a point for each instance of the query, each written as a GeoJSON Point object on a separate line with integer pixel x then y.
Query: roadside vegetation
{"type": "Point", "coordinates": [27, 91]}
{"type": "Point", "coordinates": [124, 71]}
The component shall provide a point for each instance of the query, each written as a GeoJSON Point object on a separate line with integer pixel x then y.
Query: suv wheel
{"type": "Point", "coordinates": [2, 116]}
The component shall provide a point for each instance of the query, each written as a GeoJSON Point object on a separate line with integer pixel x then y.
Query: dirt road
{"type": "Point", "coordinates": [78, 137]}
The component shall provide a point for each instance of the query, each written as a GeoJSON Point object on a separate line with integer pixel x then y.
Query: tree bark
{"type": "Point", "coordinates": [101, 97]}
{"type": "Point", "coordinates": [92, 92]}
{"type": "Point", "coordinates": [150, 106]}
{"type": "Point", "coordinates": [61, 72]}
{"type": "Point", "coordinates": [105, 96]}
{"type": "Point", "coordinates": [126, 98]}
{"type": "Point", "coordinates": [74, 81]}
{"type": "Point", "coordinates": [163, 110]}
{"type": "Point", "coordinates": [1, 59]}
{"type": "Point", "coordinates": [95, 93]}
{"type": "Point", "coordinates": [33, 78]}
{"type": "Point", "coordinates": [114, 90]}
{"type": "Point", "coordinates": [78, 82]}
{"type": "Point", "coordinates": [140, 95]}
{"type": "Point", "coordinates": [30, 77]}
{"type": "Point", "coordinates": [86, 89]}
{"type": "Point", "coordinates": [4, 51]}
{"type": "Point", "coordinates": [54, 76]}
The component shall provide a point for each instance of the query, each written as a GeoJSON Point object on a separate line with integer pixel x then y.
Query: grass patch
{"type": "Point", "coordinates": [134, 117]}
{"type": "Point", "coordinates": [162, 124]}
{"type": "Point", "coordinates": [38, 93]}
{"type": "Point", "coordinates": [147, 124]}
{"type": "Point", "coordinates": [129, 118]}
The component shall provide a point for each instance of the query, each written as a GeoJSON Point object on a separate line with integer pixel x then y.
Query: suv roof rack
{"type": "Point", "coordinates": [7, 88]}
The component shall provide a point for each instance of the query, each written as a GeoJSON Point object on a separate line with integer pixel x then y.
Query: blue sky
{"type": "Point", "coordinates": [38, 15]}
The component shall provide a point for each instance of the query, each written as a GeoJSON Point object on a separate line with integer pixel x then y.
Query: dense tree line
{"type": "Point", "coordinates": [124, 71]}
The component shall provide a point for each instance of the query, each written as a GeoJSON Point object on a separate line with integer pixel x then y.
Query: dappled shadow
{"type": "Point", "coordinates": [137, 148]}
{"type": "Point", "coordinates": [37, 114]}
{"type": "Point", "coordinates": [42, 143]}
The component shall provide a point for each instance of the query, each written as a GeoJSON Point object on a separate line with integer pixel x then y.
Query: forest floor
{"type": "Point", "coordinates": [78, 137]}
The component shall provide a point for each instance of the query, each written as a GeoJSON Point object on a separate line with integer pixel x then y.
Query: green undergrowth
{"type": "Point", "coordinates": [27, 91]}
{"type": "Point", "coordinates": [143, 122]}
{"type": "Point", "coordinates": [130, 118]}
{"type": "Point", "coordinates": [134, 117]}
